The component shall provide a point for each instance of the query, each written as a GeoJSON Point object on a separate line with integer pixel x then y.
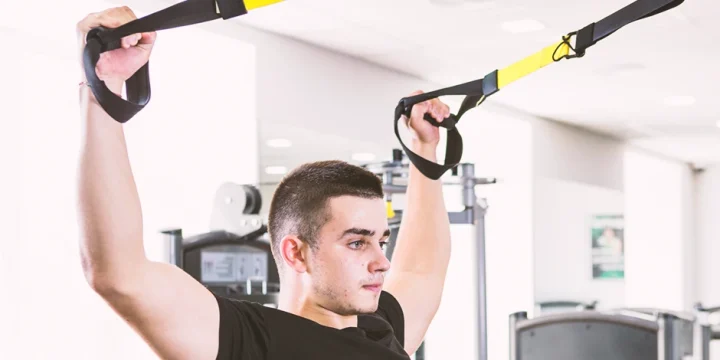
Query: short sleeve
{"type": "Point", "coordinates": [243, 334]}
{"type": "Point", "coordinates": [390, 310]}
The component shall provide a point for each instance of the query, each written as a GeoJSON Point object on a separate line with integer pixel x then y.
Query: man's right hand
{"type": "Point", "coordinates": [116, 66]}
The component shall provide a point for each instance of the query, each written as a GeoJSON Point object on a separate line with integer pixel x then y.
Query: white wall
{"type": "Point", "coordinates": [578, 174]}
{"type": "Point", "coordinates": [182, 146]}
{"type": "Point", "coordinates": [573, 154]}
{"type": "Point", "coordinates": [658, 206]}
{"type": "Point", "coordinates": [563, 245]}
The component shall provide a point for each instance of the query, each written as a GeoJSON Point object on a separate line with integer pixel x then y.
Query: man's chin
{"type": "Point", "coordinates": [366, 302]}
{"type": "Point", "coordinates": [368, 307]}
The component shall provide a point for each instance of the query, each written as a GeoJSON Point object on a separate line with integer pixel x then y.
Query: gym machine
{"type": "Point", "coordinates": [234, 258]}
{"type": "Point", "coordinates": [624, 334]}
{"type": "Point", "coordinates": [394, 175]}
{"type": "Point", "coordinates": [709, 330]}
{"type": "Point", "coordinates": [560, 305]}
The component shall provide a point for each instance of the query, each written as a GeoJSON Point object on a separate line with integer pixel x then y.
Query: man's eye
{"type": "Point", "coordinates": [383, 244]}
{"type": "Point", "coordinates": [356, 244]}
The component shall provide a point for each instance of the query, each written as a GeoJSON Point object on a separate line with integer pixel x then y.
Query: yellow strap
{"type": "Point", "coordinates": [531, 63]}
{"type": "Point", "coordinates": [254, 4]}
{"type": "Point", "coordinates": [390, 211]}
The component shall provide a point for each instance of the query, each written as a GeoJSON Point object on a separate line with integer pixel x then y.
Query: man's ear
{"type": "Point", "coordinates": [294, 253]}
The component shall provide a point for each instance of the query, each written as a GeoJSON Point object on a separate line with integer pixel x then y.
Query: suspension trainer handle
{"type": "Point", "coordinates": [101, 39]}
{"type": "Point", "coordinates": [477, 91]}
{"type": "Point", "coordinates": [137, 86]}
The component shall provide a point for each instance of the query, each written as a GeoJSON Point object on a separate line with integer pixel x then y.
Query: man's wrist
{"type": "Point", "coordinates": [88, 97]}
{"type": "Point", "coordinates": [426, 150]}
{"type": "Point", "coordinates": [115, 86]}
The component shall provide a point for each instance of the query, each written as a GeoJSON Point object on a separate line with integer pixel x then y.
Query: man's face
{"type": "Point", "coordinates": [348, 268]}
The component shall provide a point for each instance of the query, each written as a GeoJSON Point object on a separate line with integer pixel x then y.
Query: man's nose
{"type": "Point", "coordinates": [380, 261]}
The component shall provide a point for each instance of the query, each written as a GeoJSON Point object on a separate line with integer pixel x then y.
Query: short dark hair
{"type": "Point", "coordinates": [299, 204]}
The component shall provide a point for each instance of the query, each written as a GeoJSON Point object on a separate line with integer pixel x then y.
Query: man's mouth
{"type": "Point", "coordinates": [373, 287]}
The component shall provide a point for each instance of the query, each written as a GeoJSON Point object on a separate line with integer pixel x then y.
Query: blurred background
{"type": "Point", "coordinates": [607, 166]}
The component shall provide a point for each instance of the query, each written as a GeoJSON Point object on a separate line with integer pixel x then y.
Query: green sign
{"type": "Point", "coordinates": [608, 246]}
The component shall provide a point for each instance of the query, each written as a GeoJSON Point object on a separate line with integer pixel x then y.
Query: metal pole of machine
{"type": "Point", "coordinates": [174, 239]}
{"type": "Point", "coordinates": [479, 209]}
{"type": "Point", "coordinates": [473, 214]}
{"type": "Point", "coordinates": [705, 338]}
{"type": "Point", "coordinates": [481, 278]}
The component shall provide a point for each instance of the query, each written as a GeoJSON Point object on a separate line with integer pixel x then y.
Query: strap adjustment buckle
{"type": "Point", "coordinates": [577, 52]}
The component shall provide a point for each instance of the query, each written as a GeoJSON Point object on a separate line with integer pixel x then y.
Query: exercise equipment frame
{"type": "Point", "coordinates": [708, 332]}
{"type": "Point", "coordinates": [637, 334]}
{"type": "Point", "coordinates": [473, 214]}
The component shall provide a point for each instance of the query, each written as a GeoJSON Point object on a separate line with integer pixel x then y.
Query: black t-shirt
{"type": "Point", "coordinates": [251, 331]}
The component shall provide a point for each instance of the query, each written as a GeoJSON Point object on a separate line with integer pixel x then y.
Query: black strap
{"type": "Point", "coordinates": [474, 92]}
{"type": "Point", "coordinates": [102, 39]}
{"type": "Point", "coordinates": [479, 90]}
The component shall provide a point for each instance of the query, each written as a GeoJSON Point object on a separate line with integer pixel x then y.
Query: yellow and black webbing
{"type": "Point", "coordinates": [478, 90]}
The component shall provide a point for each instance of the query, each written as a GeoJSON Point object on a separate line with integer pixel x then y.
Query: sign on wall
{"type": "Point", "coordinates": [608, 246]}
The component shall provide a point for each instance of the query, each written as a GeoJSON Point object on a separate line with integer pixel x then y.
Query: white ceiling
{"type": "Point", "coordinates": [620, 87]}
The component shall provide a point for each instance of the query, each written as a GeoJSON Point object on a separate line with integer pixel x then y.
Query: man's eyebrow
{"type": "Point", "coordinates": [363, 232]}
{"type": "Point", "coordinates": [358, 231]}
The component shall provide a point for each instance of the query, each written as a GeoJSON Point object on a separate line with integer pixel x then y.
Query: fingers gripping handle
{"type": "Point", "coordinates": [448, 123]}
{"type": "Point", "coordinates": [453, 152]}
{"type": "Point", "coordinates": [101, 33]}
{"type": "Point", "coordinates": [137, 86]}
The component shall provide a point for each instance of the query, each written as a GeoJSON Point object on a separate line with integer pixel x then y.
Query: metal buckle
{"type": "Point", "coordinates": [566, 40]}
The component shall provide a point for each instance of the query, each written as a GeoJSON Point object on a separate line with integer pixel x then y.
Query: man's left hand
{"type": "Point", "coordinates": [423, 132]}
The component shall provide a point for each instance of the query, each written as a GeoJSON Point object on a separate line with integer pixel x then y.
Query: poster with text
{"type": "Point", "coordinates": [608, 246]}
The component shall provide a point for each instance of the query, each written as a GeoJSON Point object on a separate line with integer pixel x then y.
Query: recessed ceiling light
{"type": "Point", "coordinates": [363, 157]}
{"type": "Point", "coordinates": [279, 143]}
{"type": "Point", "coordinates": [522, 26]}
{"type": "Point", "coordinates": [679, 100]}
{"type": "Point", "coordinates": [275, 170]}
{"type": "Point", "coordinates": [446, 2]}
{"type": "Point", "coordinates": [717, 124]}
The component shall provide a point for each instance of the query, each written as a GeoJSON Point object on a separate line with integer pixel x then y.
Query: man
{"type": "Point", "coordinates": [611, 241]}
{"type": "Point", "coordinates": [339, 298]}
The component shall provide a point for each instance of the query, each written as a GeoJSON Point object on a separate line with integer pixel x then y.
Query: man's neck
{"type": "Point", "coordinates": [300, 305]}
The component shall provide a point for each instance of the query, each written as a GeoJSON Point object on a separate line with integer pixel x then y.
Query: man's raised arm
{"type": "Point", "coordinates": [174, 314]}
{"type": "Point", "coordinates": [422, 252]}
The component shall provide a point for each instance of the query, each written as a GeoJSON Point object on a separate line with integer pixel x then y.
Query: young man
{"type": "Point", "coordinates": [339, 299]}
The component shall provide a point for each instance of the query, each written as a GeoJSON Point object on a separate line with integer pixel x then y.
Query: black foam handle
{"type": "Point", "coordinates": [454, 145]}
{"type": "Point", "coordinates": [137, 86]}
{"type": "Point", "coordinates": [105, 45]}
{"type": "Point", "coordinates": [448, 123]}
